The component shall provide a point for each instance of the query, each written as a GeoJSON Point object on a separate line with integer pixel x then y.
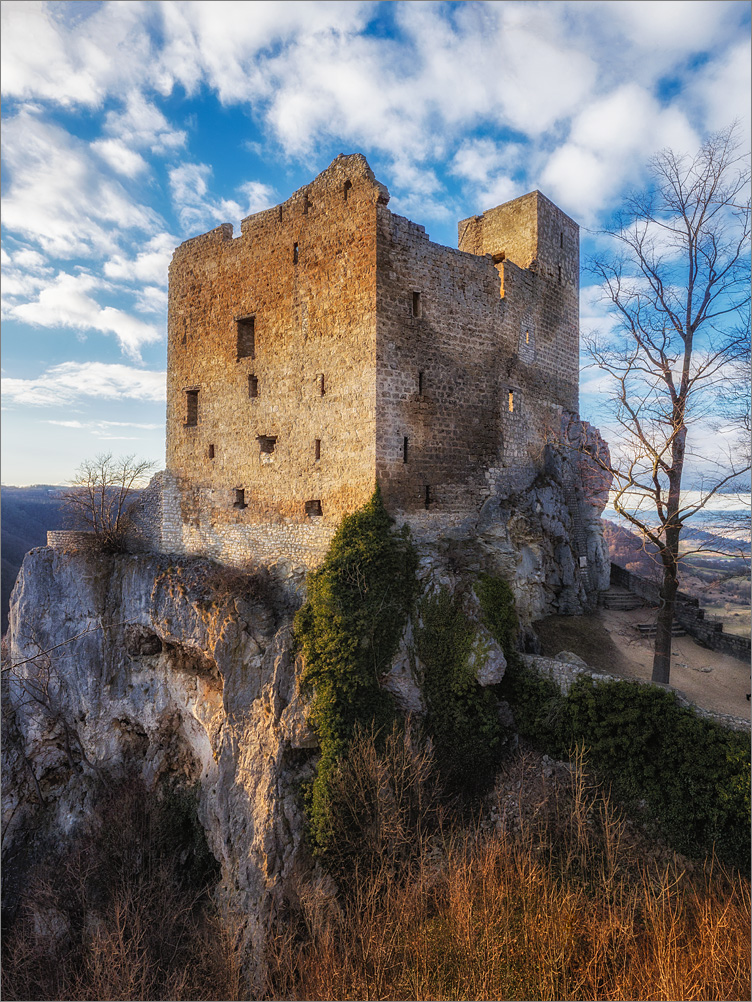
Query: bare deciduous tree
{"type": "Point", "coordinates": [678, 289]}
{"type": "Point", "coordinates": [101, 495]}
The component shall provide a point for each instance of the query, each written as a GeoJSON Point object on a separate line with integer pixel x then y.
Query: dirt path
{"type": "Point", "coordinates": [609, 640]}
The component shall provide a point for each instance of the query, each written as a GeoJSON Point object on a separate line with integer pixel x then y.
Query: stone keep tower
{"type": "Point", "coordinates": [331, 345]}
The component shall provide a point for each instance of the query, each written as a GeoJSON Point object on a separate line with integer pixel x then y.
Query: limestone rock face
{"type": "Point", "coordinates": [165, 676]}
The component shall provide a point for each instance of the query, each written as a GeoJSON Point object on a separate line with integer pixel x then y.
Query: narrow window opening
{"type": "Point", "coordinates": [348, 186]}
{"type": "Point", "coordinates": [427, 499]}
{"type": "Point", "coordinates": [307, 204]}
{"type": "Point", "coordinates": [561, 239]}
{"type": "Point", "coordinates": [211, 452]}
{"type": "Point", "coordinates": [267, 442]}
{"type": "Point", "coordinates": [239, 498]}
{"type": "Point", "coordinates": [404, 449]}
{"type": "Point", "coordinates": [420, 384]}
{"type": "Point", "coordinates": [191, 408]}
{"type": "Point", "coordinates": [313, 508]}
{"type": "Point", "coordinates": [295, 253]}
{"type": "Point", "coordinates": [280, 213]}
{"type": "Point", "coordinates": [320, 378]}
{"type": "Point", "coordinates": [416, 304]}
{"type": "Point", "coordinates": [253, 386]}
{"type": "Point", "coordinates": [247, 337]}
{"type": "Point", "coordinates": [317, 449]}
{"type": "Point", "coordinates": [527, 337]}
{"type": "Point", "coordinates": [559, 274]}
{"type": "Point", "coordinates": [511, 401]}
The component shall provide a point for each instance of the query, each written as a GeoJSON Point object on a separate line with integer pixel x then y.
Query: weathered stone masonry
{"type": "Point", "coordinates": [332, 345]}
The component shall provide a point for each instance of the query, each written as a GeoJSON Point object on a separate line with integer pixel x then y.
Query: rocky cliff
{"type": "Point", "coordinates": [150, 665]}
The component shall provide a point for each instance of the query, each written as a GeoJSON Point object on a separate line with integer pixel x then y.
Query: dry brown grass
{"type": "Point", "coordinates": [564, 905]}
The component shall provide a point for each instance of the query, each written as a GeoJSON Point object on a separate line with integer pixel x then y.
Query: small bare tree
{"type": "Point", "coordinates": [101, 495]}
{"type": "Point", "coordinates": [678, 289]}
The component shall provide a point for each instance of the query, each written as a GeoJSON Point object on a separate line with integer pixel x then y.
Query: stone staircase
{"type": "Point", "coordinates": [649, 630]}
{"type": "Point", "coordinates": [620, 599]}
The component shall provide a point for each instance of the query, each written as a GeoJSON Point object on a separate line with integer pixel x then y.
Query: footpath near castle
{"type": "Point", "coordinates": [328, 347]}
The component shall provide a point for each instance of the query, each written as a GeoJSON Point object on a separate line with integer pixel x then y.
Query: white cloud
{"type": "Point", "coordinates": [197, 209]}
{"type": "Point", "coordinates": [141, 125]}
{"type": "Point", "coordinates": [120, 157]}
{"type": "Point", "coordinates": [68, 382]}
{"type": "Point", "coordinates": [57, 195]}
{"type": "Point", "coordinates": [149, 265]}
{"type": "Point", "coordinates": [721, 90]}
{"type": "Point", "coordinates": [108, 430]}
{"type": "Point", "coordinates": [66, 303]}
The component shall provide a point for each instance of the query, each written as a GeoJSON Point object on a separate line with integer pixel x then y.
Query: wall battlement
{"type": "Point", "coordinates": [332, 345]}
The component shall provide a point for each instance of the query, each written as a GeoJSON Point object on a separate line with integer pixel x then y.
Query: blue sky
{"type": "Point", "coordinates": [130, 126]}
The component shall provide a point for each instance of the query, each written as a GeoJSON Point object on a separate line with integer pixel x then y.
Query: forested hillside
{"type": "Point", "coordinates": [27, 514]}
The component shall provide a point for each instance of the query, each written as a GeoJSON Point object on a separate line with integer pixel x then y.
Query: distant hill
{"type": "Point", "coordinates": [27, 514]}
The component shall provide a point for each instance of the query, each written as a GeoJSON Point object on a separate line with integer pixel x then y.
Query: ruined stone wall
{"type": "Point", "coordinates": [271, 369]}
{"type": "Point", "coordinates": [477, 359]}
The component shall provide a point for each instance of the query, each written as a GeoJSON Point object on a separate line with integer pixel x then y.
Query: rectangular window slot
{"type": "Point", "coordinates": [317, 449]}
{"type": "Point", "coordinates": [527, 337]}
{"type": "Point", "coordinates": [417, 307]}
{"type": "Point", "coordinates": [267, 442]}
{"type": "Point", "coordinates": [404, 449]}
{"type": "Point", "coordinates": [295, 253]}
{"type": "Point", "coordinates": [280, 213]}
{"type": "Point", "coordinates": [191, 408]}
{"type": "Point", "coordinates": [559, 274]}
{"type": "Point", "coordinates": [253, 386]}
{"type": "Point", "coordinates": [511, 401]}
{"type": "Point", "coordinates": [247, 337]}
{"type": "Point", "coordinates": [427, 499]}
{"type": "Point", "coordinates": [211, 452]}
{"type": "Point", "coordinates": [313, 509]}
{"type": "Point", "coordinates": [348, 186]}
{"type": "Point", "coordinates": [307, 204]}
{"type": "Point", "coordinates": [239, 498]}
{"type": "Point", "coordinates": [561, 239]}
{"type": "Point", "coordinates": [420, 384]}
{"type": "Point", "coordinates": [320, 378]}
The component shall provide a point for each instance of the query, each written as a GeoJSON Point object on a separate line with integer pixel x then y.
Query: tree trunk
{"type": "Point", "coordinates": [664, 624]}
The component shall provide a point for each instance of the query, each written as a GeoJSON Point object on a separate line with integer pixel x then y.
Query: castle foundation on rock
{"type": "Point", "coordinates": [331, 346]}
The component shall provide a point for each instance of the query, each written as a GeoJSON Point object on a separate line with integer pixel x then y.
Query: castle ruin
{"type": "Point", "coordinates": [331, 346]}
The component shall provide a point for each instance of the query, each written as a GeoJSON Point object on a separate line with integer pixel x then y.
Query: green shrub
{"type": "Point", "coordinates": [348, 631]}
{"type": "Point", "coordinates": [462, 717]}
{"type": "Point", "coordinates": [692, 774]}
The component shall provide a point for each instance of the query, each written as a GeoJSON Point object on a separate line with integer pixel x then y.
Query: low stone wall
{"type": "Point", "coordinates": [72, 539]}
{"type": "Point", "coordinates": [564, 674]}
{"type": "Point", "coordinates": [688, 614]}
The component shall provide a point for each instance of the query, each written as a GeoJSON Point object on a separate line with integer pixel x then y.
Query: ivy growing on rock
{"type": "Point", "coordinates": [462, 718]}
{"type": "Point", "coordinates": [348, 631]}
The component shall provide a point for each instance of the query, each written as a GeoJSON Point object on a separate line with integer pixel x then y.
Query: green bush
{"type": "Point", "coordinates": [692, 774]}
{"type": "Point", "coordinates": [348, 631]}
{"type": "Point", "coordinates": [462, 717]}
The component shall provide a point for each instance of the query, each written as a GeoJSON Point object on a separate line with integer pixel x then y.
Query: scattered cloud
{"type": "Point", "coordinates": [149, 265]}
{"type": "Point", "coordinates": [69, 382]}
{"type": "Point", "coordinates": [66, 302]}
{"type": "Point", "coordinates": [197, 209]}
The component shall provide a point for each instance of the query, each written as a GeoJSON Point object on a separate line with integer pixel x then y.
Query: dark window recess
{"type": "Point", "coordinates": [427, 498]}
{"type": "Point", "coordinates": [420, 383]}
{"type": "Point", "coordinates": [211, 452]}
{"type": "Point", "coordinates": [239, 498]}
{"type": "Point", "coordinates": [404, 449]}
{"type": "Point", "coordinates": [253, 386]}
{"type": "Point", "coordinates": [559, 274]}
{"type": "Point", "coordinates": [510, 403]}
{"type": "Point", "coordinates": [347, 188]}
{"type": "Point", "coordinates": [247, 337]}
{"type": "Point", "coordinates": [320, 378]}
{"type": "Point", "coordinates": [267, 442]}
{"type": "Point", "coordinates": [313, 508]}
{"type": "Point", "coordinates": [307, 204]}
{"type": "Point", "coordinates": [280, 213]}
{"type": "Point", "coordinates": [417, 309]}
{"type": "Point", "coordinates": [317, 448]}
{"type": "Point", "coordinates": [295, 253]}
{"type": "Point", "coordinates": [561, 239]}
{"type": "Point", "coordinates": [191, 408]}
